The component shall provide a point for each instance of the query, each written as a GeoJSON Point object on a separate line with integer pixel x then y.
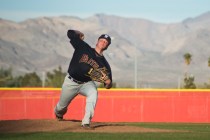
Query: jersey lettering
{"type": "Point", "coordinates": [90, 61]}
{"type": "Point", "coordinates": [90, 71]}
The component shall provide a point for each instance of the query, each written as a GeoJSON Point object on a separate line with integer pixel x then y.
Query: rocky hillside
{"type": "Point", "coordinates": [41, 45]}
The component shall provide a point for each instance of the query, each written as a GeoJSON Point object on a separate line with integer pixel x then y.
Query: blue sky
{"type": "Point", "coordinates": [164, 11]}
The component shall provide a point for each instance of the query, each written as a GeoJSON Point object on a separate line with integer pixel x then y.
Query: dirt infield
{"type": "Point", "coordinates": [18, 126]}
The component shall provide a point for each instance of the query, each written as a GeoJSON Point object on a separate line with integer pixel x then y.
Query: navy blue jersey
{"type": "Point", "coordinates": [85, 59]}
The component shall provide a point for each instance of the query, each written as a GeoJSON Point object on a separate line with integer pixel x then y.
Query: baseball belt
{"type": "Point", "coordinates": [76, 81]}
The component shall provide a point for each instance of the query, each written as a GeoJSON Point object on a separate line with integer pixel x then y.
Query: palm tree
{"type": "Point", "coordinates": [188, 58]}
{"type": "Point", "coordinates": [209, 62]}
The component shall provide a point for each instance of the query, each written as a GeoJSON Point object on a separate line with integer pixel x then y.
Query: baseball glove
{"type": "Point", "coordinates": [99, 75]}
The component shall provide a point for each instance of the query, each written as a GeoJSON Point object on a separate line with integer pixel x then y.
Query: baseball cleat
{"type": "Point", "coordinates": [86, 126]}
{"type": "Point", "coordinates": [59, 118]}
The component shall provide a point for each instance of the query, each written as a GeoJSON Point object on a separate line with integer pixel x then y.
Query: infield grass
{"type": "Point", "coordinates": [185, 132]}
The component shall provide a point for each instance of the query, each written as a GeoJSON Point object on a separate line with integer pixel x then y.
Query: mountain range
{"type": "Point", "coordinates": [143, 53]}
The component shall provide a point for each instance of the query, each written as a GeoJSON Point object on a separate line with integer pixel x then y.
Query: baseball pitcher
{"type": "Point", "coordinates": [87, 65]}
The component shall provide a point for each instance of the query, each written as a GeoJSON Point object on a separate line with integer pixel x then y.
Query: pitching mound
{"type": "Point", "coordinates": [18, 126]}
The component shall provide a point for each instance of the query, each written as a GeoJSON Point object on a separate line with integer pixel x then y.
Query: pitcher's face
{"type": "Point", "coordinates": [102, 44]}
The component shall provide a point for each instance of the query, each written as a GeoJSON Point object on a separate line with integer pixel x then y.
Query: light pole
{"type": "Point", "coordinates": [135, 69]}
{"type": "Point", "coordinates": [43, 79]}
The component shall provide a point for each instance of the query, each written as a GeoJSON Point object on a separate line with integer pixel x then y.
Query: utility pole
{"type": "Point", "coordinates": [43, 79]}
{"type": "Point", "coordinates": [135, 69]}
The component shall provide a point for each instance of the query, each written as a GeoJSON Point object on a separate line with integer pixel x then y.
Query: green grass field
{"type": "Point", "coordinates": [185, 132]}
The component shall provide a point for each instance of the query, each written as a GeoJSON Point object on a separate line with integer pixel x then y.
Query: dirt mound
{"type": "Point", "coordinates": [69, 126]}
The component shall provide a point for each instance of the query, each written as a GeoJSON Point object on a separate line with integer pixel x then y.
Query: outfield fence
{"type": "Point", "coordinates": [115, 105]}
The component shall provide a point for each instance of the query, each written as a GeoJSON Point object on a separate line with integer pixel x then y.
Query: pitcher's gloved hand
{"type": "Point", "coordinates": [100, 75]}
{"type": "Point", "coordinates": [108, 84]}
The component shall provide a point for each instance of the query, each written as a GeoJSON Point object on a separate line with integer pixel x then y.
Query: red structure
{"type": "Point", "coordinates": [116, 105]}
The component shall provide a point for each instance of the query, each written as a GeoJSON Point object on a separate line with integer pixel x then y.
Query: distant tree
{"type": "Point", "coordinates": [188, 58]}
{"type": "Point", "coordinates": [30, 80]}
{"type": "Point", "coordinates": [114, 85]}
{"type": "Point", "coordinates": [209, 62]}
{"type": "Point", "coordinates": [6, 78]}
{"type": "Point", "coordinates": [189, 82]}
{"type": "Point", "coordinates": [56, 78]}
{"type": "Point", "coordinates": [208, 85]}
{"type": "Point", "coordinates": [5, 75]}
